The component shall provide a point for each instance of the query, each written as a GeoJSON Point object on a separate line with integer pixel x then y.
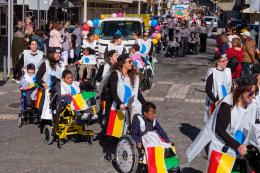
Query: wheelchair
{"type": "Point", "coordinates": [128, 158]}
{"type": "Point", "coordinates": [27, 116]}
{"type": "Point", "coordinates": [65, 124]}
{"type": "Point", "coordinates": [147, 75]}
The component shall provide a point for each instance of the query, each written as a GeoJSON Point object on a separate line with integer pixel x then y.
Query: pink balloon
{"type": "Point", "coordinates": [85, 27]}
{"type": "Point", "coordinates": [154, 35]}
{"type": "Point", "coordinates": [157, 28]}
{"type": "Point", "coordinates": [119, 14]}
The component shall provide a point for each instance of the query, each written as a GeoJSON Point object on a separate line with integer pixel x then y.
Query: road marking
{"type": "Point", "coordinates": [198, 83]}
{"type": "Point", "coordinates": [8, 117]}
{"type": "Point", "coordinates": [158, 99]}
{"type": "Point", "coordinates": [178, 91]}
{"type": "Point", "coordinates": [194, 101]}
{"type": "Point", "coordinates": [3, 93]}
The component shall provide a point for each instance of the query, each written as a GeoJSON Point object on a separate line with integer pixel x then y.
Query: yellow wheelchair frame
{"type": "Point", "coordinates": [65, 125]}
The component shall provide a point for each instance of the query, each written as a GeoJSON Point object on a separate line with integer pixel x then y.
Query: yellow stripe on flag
{"type": "Point", "coordinates": [159, 160]}
{"type": "Point", "coordinates": [118, 125]}
{"type": "Point", "coordinates": [80, 102]}
{"type": "Point", "coordinates": [226, 163]}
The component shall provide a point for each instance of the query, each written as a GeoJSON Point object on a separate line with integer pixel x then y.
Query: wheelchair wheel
{"type": "Point", "coordinates": [20, 120]}
{"type": "Point", "coordinates": [126, 155]}
{"type": "Point", "coordinates": [148, 79]}
{"type": "Point", "coordinates": [48, 136]}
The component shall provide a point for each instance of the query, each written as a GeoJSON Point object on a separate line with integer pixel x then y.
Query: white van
{"type": "Point", "coordinates": [126, 25]}
{"type": "Point", "coordinates": [209, 19]}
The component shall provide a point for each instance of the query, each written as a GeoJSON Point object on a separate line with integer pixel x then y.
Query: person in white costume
{"type": "Point", "coordinates": [228, 127]}
{"type": "Point", "coordinates": [31, 56]}
{"type": "Point", "coordinates": [116, 44]}
{"type": "Point", "coordinates": [218, 84]}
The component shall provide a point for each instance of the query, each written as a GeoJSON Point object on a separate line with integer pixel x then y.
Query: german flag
{"type": "Point", "coordinates": [220, 162]}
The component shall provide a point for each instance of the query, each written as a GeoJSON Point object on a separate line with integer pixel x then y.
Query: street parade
{"type": "Point", "coordinates": [131, 86]}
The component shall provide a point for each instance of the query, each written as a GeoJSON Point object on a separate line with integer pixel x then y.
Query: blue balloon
{"type": "Point", "coordinates": [96, 31]}
{"type": "Point", "coordinates": [154, 23]}
{"type": "Point", "coordinates": [95, 22]}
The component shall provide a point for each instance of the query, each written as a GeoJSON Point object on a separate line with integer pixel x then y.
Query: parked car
{"type": "Point", "coordinates": [209, 19]}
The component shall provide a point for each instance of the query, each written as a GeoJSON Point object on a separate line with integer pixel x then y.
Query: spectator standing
{"type": "Point", "coordinates": [223, 45]}
{"type": "Point", "coordinates": [39, 37]}
{"type": "Point", "coordinates": [184, 40]}
{"type": "Point", "coordinates": [203, 37]}
{"type": "Point", "coordinates": [78, 41]}
{"type": "Point", "coordinates": [236, 52]}
{"type": "Point", "coordinates": [66, 45]}
{"type": "Point", "coordinates": [248, 52]}
{"type": "Point", "coordinates": [55, 36]}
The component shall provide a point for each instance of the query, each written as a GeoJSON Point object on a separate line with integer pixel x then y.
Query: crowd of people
{"type": "Point", "coordinates": [42, 57]}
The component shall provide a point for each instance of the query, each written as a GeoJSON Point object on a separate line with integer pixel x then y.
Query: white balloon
{"type": "Point", "coordinates": [150, 22]}
{"type": "Point", "coordinates": [90, 23]}
{"type": "Point", "coordinates": [114, 15]}
{"type": "Point", "coordinates": [99, 23]}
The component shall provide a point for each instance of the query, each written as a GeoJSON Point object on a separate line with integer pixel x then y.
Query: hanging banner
{"type": "Point", "coordinates": [255, 5]}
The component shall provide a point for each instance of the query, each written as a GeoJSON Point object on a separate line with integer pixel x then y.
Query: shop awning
{"type": "Point", "coordinates": [226, 6]}
{"type": "Point", "coordinates": [247, 11]}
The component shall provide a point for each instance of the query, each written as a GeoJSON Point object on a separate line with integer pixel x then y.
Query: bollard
{"type": "Point", "coordinates": [4, 69]}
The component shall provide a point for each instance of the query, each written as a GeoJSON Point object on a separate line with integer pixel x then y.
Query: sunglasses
{"type": "Point", "coordinates": [129, 61]}
{"type": "Point", "coordinates": [252, 93]}
{"type": "Point", "coordinates": [225, 60]}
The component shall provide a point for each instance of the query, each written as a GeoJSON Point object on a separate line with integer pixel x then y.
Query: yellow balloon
{"type": "Point", "coordinates": [155, 41]}
{"type": "Point", "coordinates": [159, 36]}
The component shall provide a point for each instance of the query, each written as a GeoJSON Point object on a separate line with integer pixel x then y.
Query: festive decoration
{"type": "Point", "coordinates": [90, 23]}
{"type": "Point", "coordinates": [154, 23]}
{"type": "Point", "coordinates": [114, 15]}
{"type": "Point", "coordinates": [157, 28]}
{"type": "Point", "coordinates": [154, 35]}
{"type": "Point", "coordinates": [95, 22]}
{"type": "Point", "coordinates": [85, 27]}
{"type": "Point", "coordinates": [96, 31]}
{"type": "Point", "coordinates": [155, 41]}
{"type": "Point", "coordinates": [159, 36]}
{"type": "Point", "coordinates": [120, 14]}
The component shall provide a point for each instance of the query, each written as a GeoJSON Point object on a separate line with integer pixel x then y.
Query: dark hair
{"type": "Point", "coordinates": [30, 67]}
{"type": "Point", "coordinates": [147, 106]}
{"type": "Point", "coordinates": [109, 54]}
{"type": "Point", "coordinates": [136, 47]}
{"type": "Point", "coordinates": [239, 91]}
{"type": "Point", "coordinates": [90, 34]}
{"type": "Point", "coordinates": [131, 73]}
{"type": "Point", "coordinates": [66, 72]}
{"type": "Point", "coordinates": [31, 40]}
{"type": "Point", "coordinates": [52, 61]}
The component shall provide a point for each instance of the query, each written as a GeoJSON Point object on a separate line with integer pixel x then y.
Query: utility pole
{"type": "Point", "coordinates": [139, 6]}
{"type": "Point", "coordinates": [23, 17]}
{"type": "Point", "coordinates": [10, 29]}
{"type": "Point", "coordinates": [85, 13]}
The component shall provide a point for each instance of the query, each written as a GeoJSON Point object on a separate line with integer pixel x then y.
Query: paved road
{"type": "Point", "coordinates": [176, 92]}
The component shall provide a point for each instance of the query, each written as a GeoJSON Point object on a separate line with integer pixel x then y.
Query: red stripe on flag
{"type": "Point", "coordinates": [111, 122]}
{"type": "Point", "coordinates": [151, 160]}
{"type": "Point", "coordinates": [215, 158]}
{"type": "Point", "coordinates": [76, 106]}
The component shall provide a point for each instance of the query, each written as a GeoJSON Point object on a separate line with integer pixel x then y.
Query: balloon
{"type": "Point", "coordinates": [155, 41]}
{"type": "Point", "coordinates": [114, 15]}
{"type": "Point", "coordinates": [154, 35]}
{"type": "Point", "coordinates": [157, 28]}
{"type": "Point", "coordinates": [85, 27]}
{"type": "Point", "coordinates": [150, 23]}
{"type": "Point", "coordinates": [99, 23]}
{"type": "Point", "coordinates": [159, 36]}
{"type": "Point", "coordinates": [154, 23]}
{"type": "Point", "coordinates": [95, 22]}
{"type": "Point", "coordinates": [96, 31]}
{"type": "Point", "coordinates": [90, 23]}
{"type": "Point", "coordinates": [119, 14]}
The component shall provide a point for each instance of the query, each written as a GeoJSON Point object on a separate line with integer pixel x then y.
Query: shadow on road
{"type": "Point", "coordinates": [190, 170]}
{"type": "Point", "coordinates": [189, 130]}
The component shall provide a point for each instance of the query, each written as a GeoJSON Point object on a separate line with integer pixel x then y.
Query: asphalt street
{"type": "Point", "coordinates": [177, 92]}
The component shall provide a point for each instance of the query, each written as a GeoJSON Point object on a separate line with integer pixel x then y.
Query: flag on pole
{"type": "Point", "coordinates": [79, 100]}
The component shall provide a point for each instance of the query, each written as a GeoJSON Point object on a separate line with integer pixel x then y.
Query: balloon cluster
{"type": "Point", "coordinates": [119, 14]}
{"type": "Point", "coordinates": [95, 23]}
{"type": "Point", "coordinates": [156, 35]}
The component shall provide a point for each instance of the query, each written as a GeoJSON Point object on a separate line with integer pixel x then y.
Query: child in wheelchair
{"type": "Point", "coordinates": [87, 64]}
{"type": "Point", "coordinates": [173, 48]}
{"type": "Point", "coordinates": [66, 88]}
{"type": "Point", "coordinates": [142, 124]}
{"type": "Point", "coordinates": [139, 60]}
{"type": "Point", "coordinates": [27, 85]}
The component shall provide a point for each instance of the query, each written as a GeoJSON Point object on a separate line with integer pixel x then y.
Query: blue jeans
{"type": "Point", "coordinates": [245, 68]}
